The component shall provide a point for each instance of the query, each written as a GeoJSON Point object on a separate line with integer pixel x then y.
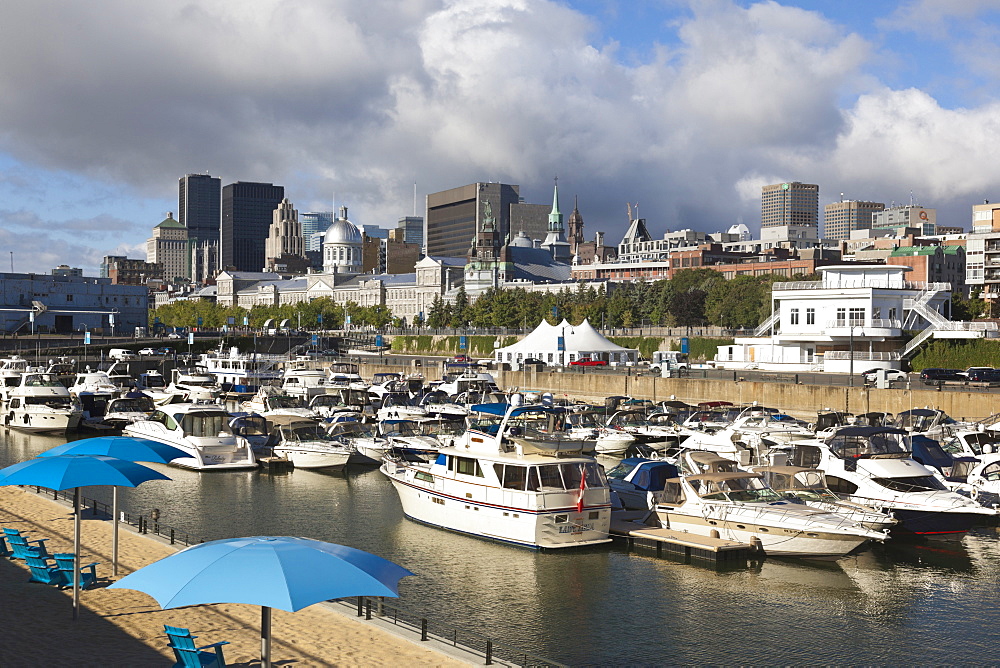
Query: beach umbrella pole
{"type": "Point", "coordinates": [76, 553]}
{"type": "Point", "coordinates": [265, 637]}
{"type": "Point", "coordinates": [114, 531]}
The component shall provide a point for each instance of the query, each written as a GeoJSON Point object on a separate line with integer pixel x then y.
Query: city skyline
{"type": "Point", "coordinates": [687, 108]}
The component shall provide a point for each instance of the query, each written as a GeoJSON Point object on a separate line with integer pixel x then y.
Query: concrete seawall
{"type": "Point", "coordinates": [796, 399]}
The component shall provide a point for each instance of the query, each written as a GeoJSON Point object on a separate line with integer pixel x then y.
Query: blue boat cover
{"type": "Point", "coordinates": [650, 475]}
{"type": "Point", "coordinates": [928, 452]}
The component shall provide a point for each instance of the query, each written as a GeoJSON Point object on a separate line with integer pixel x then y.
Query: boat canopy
{"type": "Point", "coordinates": [502, 409]}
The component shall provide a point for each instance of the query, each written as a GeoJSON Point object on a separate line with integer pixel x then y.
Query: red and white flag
{"type": "Point", "coordinates": [583, 486]}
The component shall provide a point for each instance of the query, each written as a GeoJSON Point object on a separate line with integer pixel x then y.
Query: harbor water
{"type": "Point", "coordinates": [931, 602]}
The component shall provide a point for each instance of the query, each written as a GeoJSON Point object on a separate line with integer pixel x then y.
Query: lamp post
{"type": "Point", "coordinates": [850, 330]}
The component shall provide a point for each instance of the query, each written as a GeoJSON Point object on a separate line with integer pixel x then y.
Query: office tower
{"type": "Point", "coordinates": [908, 216]}
{"type": "Point", "coordinates": [247, 209]}
{"type": "Point", "coordinates": [168, 247]}
{"type": "Point", "coordinates": [199, 197]}
{"type": "Point", "coordinates": [789, 204]}
{"type": "Point", "coordinates": [843, 217]}
{"type": "Point", "coordinates": [413, 230]}
{"type": "Point", "coordinates": [454, 216]}
{"type": "Point", "coordinates": [314, 224]}
{"type": "Point", "coordinates": [285, 247]}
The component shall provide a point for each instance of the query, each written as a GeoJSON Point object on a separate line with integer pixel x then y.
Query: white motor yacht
{"type": "Point", "coordinates": [123, 411]}
{"type": "Point", "coordinates": [303, 383]}
{"type": "Point", "coordinates": [193, 385]}
{"type": "Point", "coordinates": [40, 403]}
{"type": "Point", "coordinates": [362, 438]}
{"type": "Point", "coordinates": [515, 491]}
{"type": "Point", "coordinates": [154, 386]}
{"type": "Point", "coordinates": [242, 372]}
{"type": "Point", "coordinates": [271, 401]}
{"type": "Point", "coordinates": [202, 431]}
{"type": "Point", "coordinates": [738, 506]}
{"type": "Point", "coordinates": [338, 403]}
{"type": "Point", "coordinates": [307, 445]}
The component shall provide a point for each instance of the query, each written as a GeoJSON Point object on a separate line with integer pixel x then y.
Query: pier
{"type": "Point", "coordinates": [686, 547]}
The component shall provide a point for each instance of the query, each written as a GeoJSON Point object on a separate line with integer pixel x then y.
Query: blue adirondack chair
{"type": "Point", "coordinates": [42, 571]}
{"type": "Point", "coordinates": [4, 550]}
{"type": "Point", "coordinates": [22, 547]}
{"type": "Point", "coordinates": [88, 576]}
{"type": "Point", "coordinates": [189, 656]}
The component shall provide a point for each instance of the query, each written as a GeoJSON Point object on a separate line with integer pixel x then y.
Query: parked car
{"type": "Point", "coordinates": [936, 375]}
{"type": "Point", "coordinates": [174, 335]}
{"type": "Point", "coordinates": [147, 352]}
{"type": "Point", "coordinates": [165, 350]}
{"type": "Point", "coordinates": [460, 358]}
{"type": "Point", "coordinates": [588, 362]}
{"type": "Point", "coordinates": [983, 375]}
{"type": "Point", "coordinates": [973, 369]}
{"type": "Point", "coordinates": [531, 361]}
{"type": "Point", "coordinates": [892, 375]}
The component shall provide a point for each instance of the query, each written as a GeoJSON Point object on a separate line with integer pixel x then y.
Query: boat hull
{"type": "Point", "coordinates": [923, 523]}
{"type": "Point", "coordinates": [41, 423]}
{"type": "Point", "coordinates": [312, 459]}
{"type": "Point", "coordinates": [532, 528]}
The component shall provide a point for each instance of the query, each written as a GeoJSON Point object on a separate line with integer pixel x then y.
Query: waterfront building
{"type": "Point", "coordinates": [168, 247]}
{"type": "Point", "coordinates": [285, 246]}
{"type": "Point", "coordinates": [64, 304]}
{"type": "Point", "coordinates": [843, 217]}
{"type": "Point", "coordinates": [199, 200]}
{"type": "Point", "coordinates": [247, 209]}
{"type": "Point", "coordinates": [124, 271]}
{"type": "Point", "coordinates": [856, 318]}
{"type": "Point", "coordinates": [790, 204]}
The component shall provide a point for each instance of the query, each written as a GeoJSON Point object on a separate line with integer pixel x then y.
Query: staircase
{"type": "Point", "coordinates": [767, 324]}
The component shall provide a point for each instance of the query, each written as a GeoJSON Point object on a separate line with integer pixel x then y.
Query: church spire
{"type": "Point", "coordinates": [555, 217]}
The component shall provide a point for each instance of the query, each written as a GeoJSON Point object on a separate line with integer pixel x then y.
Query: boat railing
{"type": "Point", "coordinates": [484, 648]}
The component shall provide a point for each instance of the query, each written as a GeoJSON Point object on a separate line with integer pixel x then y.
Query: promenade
{"type": "Point", "coordinates": [125, 628]}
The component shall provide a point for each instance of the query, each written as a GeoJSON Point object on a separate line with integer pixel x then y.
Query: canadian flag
{"type": "Point", "coordinates": [583, 486]}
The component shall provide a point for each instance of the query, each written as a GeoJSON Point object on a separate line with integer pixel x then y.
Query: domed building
{"type": "Point", "coordinates": [342, 246]}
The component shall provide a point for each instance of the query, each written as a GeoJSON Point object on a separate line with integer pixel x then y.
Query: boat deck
{"type": "Point", "coordinates": [679, 544]}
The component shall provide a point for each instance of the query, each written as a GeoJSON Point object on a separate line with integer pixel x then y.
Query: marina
{"type": "Point", "coordinates": [682, 589]}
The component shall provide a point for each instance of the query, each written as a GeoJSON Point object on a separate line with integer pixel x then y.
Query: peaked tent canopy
{"type": "Point", "coordinates": [580, 341]}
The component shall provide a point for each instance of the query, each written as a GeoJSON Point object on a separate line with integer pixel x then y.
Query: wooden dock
{"type": "Point", "coordinates": [686, 547]}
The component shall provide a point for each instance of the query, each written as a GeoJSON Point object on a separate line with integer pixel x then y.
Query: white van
{"type": "Point", "coordinates": [121, 354]}
{"type": "Point", "coordinates": [673, 359]}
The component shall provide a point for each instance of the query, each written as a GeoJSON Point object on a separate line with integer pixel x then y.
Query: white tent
{"type": "Point", "coordinates": [579, 342]}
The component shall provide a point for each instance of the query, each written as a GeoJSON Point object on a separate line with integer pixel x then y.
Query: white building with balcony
{"type": "Point", "coordinates": [857, 317]}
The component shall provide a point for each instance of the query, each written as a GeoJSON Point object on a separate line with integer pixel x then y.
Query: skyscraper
{"type": "Point", "coordinates": [314, 224]}
{"type": "Point", "coordinates": [247, 209]}
{"type": "Point", "coordinates": [198, 202]}
{"type": "Point", "coordinates": [843, 217]}
{"type": "Point", "coordinates": [792, 203]}
{"type": "Point", "coordinates": [454, 216]}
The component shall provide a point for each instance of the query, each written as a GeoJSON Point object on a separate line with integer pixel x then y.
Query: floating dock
{"type": "Point", "coordinates": [686, 547]}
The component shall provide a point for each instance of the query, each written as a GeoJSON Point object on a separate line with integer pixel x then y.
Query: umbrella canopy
{"type": "Point", "coordinates": [75, 471]}
{"type": "Point", "coordinates": [285, 572]}
{"type": "Point", "coordinates": [123, 447]}
{"type": "Point", "coordinates": [68, 471]}
{"type": "Point", "coordinates": [270, 571]}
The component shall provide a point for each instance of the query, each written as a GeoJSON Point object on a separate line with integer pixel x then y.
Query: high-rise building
{"type": "Point", "coordinates": [247, 209]}
{"type": "Point", "coordinates": [168, 247]}
{"type": "Point", "coordinates": [454, 216]}
{"type": "Point", "coordinates": [284, 247]}
{"type": "Point", "coordinates": [843, 217]}
{"type": "Point", "coordinates": [789, 204]}
{"type": "Point", "coordinates": [413, 230]}
{"type": "Point", "coordinates": [199, 197]}
{"type": "Point", "coordinates": [314, 224]}
{"type": "Point", "coordinates": [908, 216]}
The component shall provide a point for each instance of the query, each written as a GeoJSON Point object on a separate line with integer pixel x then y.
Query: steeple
{"type": "Point", "coordinates": [575, 232]}
{"type": "Point", "coordinates": [555, 241]}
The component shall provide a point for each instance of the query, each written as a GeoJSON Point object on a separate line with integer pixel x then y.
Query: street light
{"type": "Point", "coordinates": [850, 330]}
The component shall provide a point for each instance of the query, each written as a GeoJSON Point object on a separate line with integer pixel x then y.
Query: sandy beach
{"type": "Point", "coordinates": [125, 628]}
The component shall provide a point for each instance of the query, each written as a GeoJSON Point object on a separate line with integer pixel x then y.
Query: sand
{"type": "Point", "coordinates": [125, 628]}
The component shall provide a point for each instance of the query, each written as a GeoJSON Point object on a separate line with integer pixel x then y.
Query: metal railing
{"type": "Point", "coordinates": [874, 323]}
{"type": "Point", "coordinates": [476, 644]}
{"type": "Point", "coordinates": [861, 355]}
{"type": "Point", "coordinates": [869, 283]}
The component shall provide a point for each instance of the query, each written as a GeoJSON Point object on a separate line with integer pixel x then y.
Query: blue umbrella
{"type": "Point", "coordinates": [123, 447]}
{"type": "Point", "coordinates": [269, 571]}
{"type": "Point", "coordinates": [75, 471]}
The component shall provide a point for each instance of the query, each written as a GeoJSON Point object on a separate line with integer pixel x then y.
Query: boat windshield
{"type": "Point", "coordinates": [305, 432]}
{"type": "Point", "coordinates": [628, 420]}
{"type": "Point", "coordinates": [42, 380]}
{"type": "Point", "coordinates": [924, 483]}
{"type": "Point", "coordinates": [206, 424]}
{"type": "Point", "coordinates": [552, 477]}
{"type": "Point", "coordinates": [136, 405]}
{"type": "Point", "coordinates": [326, 400]}
{"type": "Point", "coordinates": [400, 429]}
{"type": "Point", "coordinates": [353, 430]}
{"type": "Point", "coordinates": [879, 443]}
{"type": "Point", "coordinates": [436, 427]}
{"type": "Point", "coordinates": [249, 426]}
{"type": "Point", "coordinates": [805, 485]}
{"type": "Point", "coordinates": [283, 401]}
{"type": "Point", "coordinates": [153, 381]}
{"type": "Point", "coordinates": [739, 490]}
{"type": "Point", "coordinates": [396, 399]}
{"type": "Point", "coordinates": [978, 443]}
{"type": "Point", "coordinates": [51, 402]}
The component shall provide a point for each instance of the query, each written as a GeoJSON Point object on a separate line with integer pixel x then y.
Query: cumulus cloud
{"type": "Point", "coordinates": [364, 99]}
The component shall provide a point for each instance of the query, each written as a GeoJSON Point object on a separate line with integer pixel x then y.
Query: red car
{"type": "Point", "coordinates": [588, 362]}
{"type": "Point", "coordinates": [460, 358]}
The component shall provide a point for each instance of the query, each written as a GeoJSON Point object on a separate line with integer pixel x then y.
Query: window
{"type": "Point", "coordinates": [892, 313]}
{"type": "Point", "coordinates": [514, 477]}
{"type": "Point", "coordinates": [841, 316]}
{"type": "Point", "coordinates": [467, 466]}
{"type": "Point", "coordinates": [810, 316]}
{"type": "Point", "coordinates": [857, 316]}
{"type": "Point", "coordinates": [794, 316]}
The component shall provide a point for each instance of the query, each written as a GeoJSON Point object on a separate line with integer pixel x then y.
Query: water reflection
{"type": "Point", "coordinates": [902, 602]}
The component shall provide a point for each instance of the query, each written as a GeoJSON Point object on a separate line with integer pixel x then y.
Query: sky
{"type": "Point", "coordinates": [684, 109]}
